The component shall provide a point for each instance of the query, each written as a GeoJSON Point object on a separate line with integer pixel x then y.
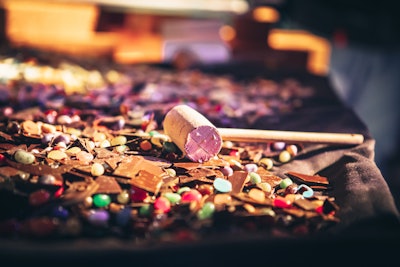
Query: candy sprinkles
{"type": "Point", "coordinates": [151, 169]}
{"type": "Point", "coordinates": [145, 187]}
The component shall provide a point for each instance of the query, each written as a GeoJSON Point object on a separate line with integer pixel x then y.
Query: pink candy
{"type": "Point", "coordinates": [162, 204]}
{"type": "Point", "coordinates": [191, 195]}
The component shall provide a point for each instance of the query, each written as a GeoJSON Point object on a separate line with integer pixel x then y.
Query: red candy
{"type": "Point", "coordinates": [2, 159]}
{"type": "Point", "coordinates": [191, 195]}
{"type": "Point", "coordinates": [59, 192]}
{"type": "Point", "coordinates": [138, 194]}
{"type": "Point", "coordinates": [281, 202]}
{"type": "Point", "coordinates": [162, 204]}
{"type": "Point", "coordinates": [39, 197]}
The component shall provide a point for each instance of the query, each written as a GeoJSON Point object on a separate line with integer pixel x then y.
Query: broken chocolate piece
{"type": "Point", "coordinates": [6, 136]}
{"type": "Point", "coordinates": [39, 169]}
{"type": "Point", "coordinates": [8, 171]}
{"type": "Point", "coordinates": [147, 181]}
{"type": "Point", "coordinates": [329, 206]}
{"type": "Point", "coordinates": [269, 177]}
{"type": "Point", "coordinates": [308, 179]}
{"type": "Point", "coordinates": [131, 165]}
{"type": "Point", "coordinates": [238, 179]}
{"type": "Point", "coordinates": [107, 185]}
{"type": "Point", "coordinates": [305, 204]}
{"type": "Point", "coordinates": [78, 191]}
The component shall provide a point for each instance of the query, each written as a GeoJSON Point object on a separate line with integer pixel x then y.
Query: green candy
{"type": "Point", "coordinates": [267, 163]}
{"type": "Point", "coordinates": [172, 197]}
{"type": "Point", "coordinates": [121, 148]}
{"type": "Point", "coordinates": [206, 211]}
{"type": "Point", "coordinates": [123, 197]}
{"type": "Point", "coordinates": [153, 133]}
{"type": "Point", "coordinates": [183, 190]}
{"type": "Point", "coordinates": [284, 156]}
{"type": "Point", "coordinates": [97, 169]}
{"type": "Point", "coordinates": [170, 147]}
{"type": "Point", "coordinates": [255, 178]}
{"type": "Point", "coordinates": [145, 210]}
{"type": "Point", "coordinates": [285, 183]}
{"type": "Point", "coordinates": [118, 140]}
{"type": "Point", "coordinates": [101, 200]}
{"type": "Point", "coordinates": [265, 186]}
{"type": "Point", "coordinates": [159, 139]}
{"type": "Point", "coordinates": [24, 157]}
{"type": "Point", "coordinates": [171, 172]}
{"type": "Point", "coordinates": [268, 211]}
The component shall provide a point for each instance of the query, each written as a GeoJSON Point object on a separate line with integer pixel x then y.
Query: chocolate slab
{"type": "Point", "coordinates": [315, 179]}
{"type": "Point", "coordinates": [107, 185]}
{"type": "Point", "coordinates": [238, 179]}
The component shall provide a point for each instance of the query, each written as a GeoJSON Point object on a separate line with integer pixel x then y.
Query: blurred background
{"type": "Point", "coordinates": [131, 31]}
{"type": "Point", "coordinates": [355, 44]}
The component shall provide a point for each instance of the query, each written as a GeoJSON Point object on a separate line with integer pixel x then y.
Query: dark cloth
{"type": "Point", "coordinates": [357, 182]}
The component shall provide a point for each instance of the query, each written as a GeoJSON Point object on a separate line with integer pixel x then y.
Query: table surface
{"type": "Point", "coordinates": [367, 233]}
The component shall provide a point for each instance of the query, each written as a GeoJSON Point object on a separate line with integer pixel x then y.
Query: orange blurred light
{"type": "Point", "coordinates": [138, 48]}
{"type": "Point", "coordinates": [266, 14]}
{"type": "Point", "coordinates": [318, 47]}
{"type": "Point", "coordinates": [56, 26]}
{"type": "Point", "coordinates": [227, 33]}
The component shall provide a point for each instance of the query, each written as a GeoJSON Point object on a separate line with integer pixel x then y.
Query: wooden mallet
{"type": "Point", "coordinates": [200, 140]}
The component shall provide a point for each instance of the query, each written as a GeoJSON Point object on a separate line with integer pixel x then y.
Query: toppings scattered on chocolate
{"type": "Point", "coordinates": [109, 169]}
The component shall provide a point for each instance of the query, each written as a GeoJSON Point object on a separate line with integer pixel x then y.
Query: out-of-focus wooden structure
{"type": "Point", "coordinates": [134, 35]}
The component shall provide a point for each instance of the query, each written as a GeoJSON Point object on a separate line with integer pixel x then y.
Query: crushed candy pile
{"type": "Point", "coordinates": [83, 153]}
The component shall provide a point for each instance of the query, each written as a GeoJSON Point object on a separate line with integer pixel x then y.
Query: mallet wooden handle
{"type": "Point", "coordinates": [255, 135]}
{"type": "Point", "coordinates": [200, 140]}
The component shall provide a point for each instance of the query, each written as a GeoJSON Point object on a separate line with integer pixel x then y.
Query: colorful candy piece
{"type": "Point", "coordinates": [24, 157]}
{"type": "Point", "coordinates": [101, 200]}
{"type": "Point", "coordinates": [222, 185]}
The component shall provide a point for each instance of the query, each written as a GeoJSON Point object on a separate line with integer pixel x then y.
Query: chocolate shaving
{"type": "Point", "coordinates": [88, 131]}
{"type": "Point", "coordinates": [102, 153]}
{"type": "Point", "coordinates": [295, 212]}
{"type": "Point", "coordinates": [205, 175]}
{"type": "Point", "coordinates": [113, 162]}
{"type": "Point", "coordinates": [12, 149]}
{"type": "Point", "coordinates": [268, 177]}
{"type": "Point", "coordinates": [142, 173]}
{"type": "Point", "coordinates": [26, 114]}
{"type": "Point", "coordinates": [107, 185]}
{"type": "Point", "coordinates": [313, 179]}
{"type": "Point", "coordinates": [8, 171]}
{"type": "Point", "coordinates": [238, 179]}
{"type": "Point", "coordinates": [187, 165]}
{"type": "Point", "coordinates": [131, 165]}
{"type": "Point", "coordinates": [329, 206]}
{"type": "Point", "coordinates": [85, 142]}
{"type": "Point", "coordinates": [188, 179]}
{"type": "Point", "coordinates": [243, 197]}
{"type": "Point", "coordinates": [112, 159]}
{"type": "Point", "coordinates": [84, 168]}
{"type": "Point", "coordinates": [6, 146]}
{"type": "Point", "coordinates": [78, 191]}
{"type": "Point", "coordinates": [305, 204]}
{"type": "Point", "coordinates": [6, 136]}
{"type": "Point", "coordinates": [204, 172]}
{"type": "Point", "coordinates": [40, 169]}
{"type": "Point", "coordinates": [319, 187]}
